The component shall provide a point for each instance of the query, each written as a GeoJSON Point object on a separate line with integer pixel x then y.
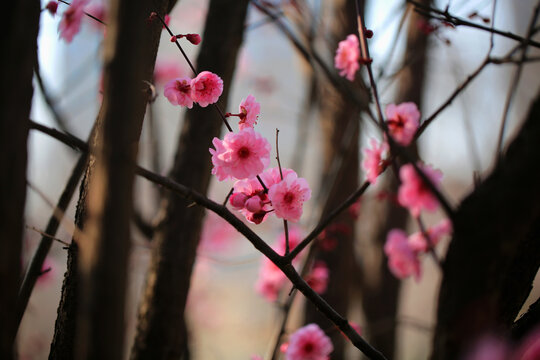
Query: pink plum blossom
{"type": "Point", "coordinates": [178, 92]}
{"type": "Point", "coordinates": [374, 160]}
{"type": "Point", "coordinates": [489, 348]}
{"type": "Point", "coordinates": [403, 121]}
{"type": "Point", "coordinates": [240, 155]}
{"type": "Point", "coordinates": [70, 24]}
{"type": "Point", "coordinates": [402, 258]}
{"type": "Point", "coordinates": [413, 193]}
{"type": "Point", "coordinates": [288, 197]}
{"type": "Point", "coordinates": [309, 343]}
{"type": "Point", "coordinates": [318, 277]}
{"type": "Point", "coordinates": [347, 57]}
{"type": "Point", "coordinates": [250, 190]}
{"type": "Point", "coordinates": [249, 111]}
{"type": "Point", "coordinates": [206, 88]}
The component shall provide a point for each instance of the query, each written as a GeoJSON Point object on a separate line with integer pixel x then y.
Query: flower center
{"type": "Point", "coordinates": [243, 152]}
{"type": "Point", "coordinates": [288, 198]}
{"type": "Point", "coordinates": [182, 86]}
{"type": "Point", "coordinates": [396, 124]}
{"type": "Point", "coordinates": [308, 347]}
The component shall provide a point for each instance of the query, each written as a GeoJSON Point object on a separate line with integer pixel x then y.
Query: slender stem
{"type": "Point", "coordinates": [430, 245]}
{"type": "Point", "coordinates": [87, 14]}
{"type": "Point", "coordinates": [285, 224]}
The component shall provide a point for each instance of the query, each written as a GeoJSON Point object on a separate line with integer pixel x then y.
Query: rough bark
{"type": "Point", "coordinates": [495, 238]}
{"type": "Point", "coordinates": [101, 251]}
{"type": "Point", "coordinates": [339, 120]}
{"type": "Point", "coordinates": [380, 293]}
{"type": "Point", "coordinates": [162, 332]}
{"type": "Point", "coordinates": [19, 48]}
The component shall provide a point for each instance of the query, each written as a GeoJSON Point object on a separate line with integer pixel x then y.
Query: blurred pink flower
{"type": "Point", "coordinates": [178, 92]}
{"type": "Point", "coordinates": [70, 24]}
{"type": "Point", "coordinates": [529, 349]}
{"type": "Point", "coordinates": [413, 193]}
{"type": "Point", "coordinates": [402, 258]}
{"type": "Point", "coordinates": [288, 197]}
{"type": "Point", "coordinates": [249, 112]}
{"type": "Point", "coordinates": [206, 88]}
{"type": "Point", "coordinates": [374, 160]}
{"type": "Point", "coordinates": [240, 155]}
{"type": "Point", "coordinates": [166, 70]}
{"type": "Point", "coordinates": [490, 348]}
{"type": "Point", "coordinates": [216, 233]}
{"type": "Point", "coordinates": [417, 241]}
{"type": "Point", "coordinates": [403, 121]}
{"type": "Point", "coordinates": [318, 277]}
{"type": "Point", "coordinates": [309, 343]}
{"type": "Point", "coordinates": [347, 57]}
{"type": "Point", "coordinates": [270, 280]}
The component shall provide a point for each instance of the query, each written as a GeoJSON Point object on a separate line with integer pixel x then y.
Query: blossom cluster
{"type": "Point", "coordinates": [404, 251]}
{"type": "Point", "coordinates": [243, 156]}
{"type": "Point", "coordinates": [204, 89]}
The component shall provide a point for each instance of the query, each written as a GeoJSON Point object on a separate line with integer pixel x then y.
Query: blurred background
{"type": "Point", "coordinates": [227, 318]}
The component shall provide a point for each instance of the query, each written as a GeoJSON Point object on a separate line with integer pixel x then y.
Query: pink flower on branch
{"type": "Point", "coordinates": [206, 88]}
{"type": "Point", "coordinates": [70, 24]}
{"type": "Point", "coordinates": [413, 193]}
{"type": "Point", "coordinates": [373, 164]}
{"type": "Point", "coordinates": [178, 92]}
{"type": "Point", "coordinates": [309, 343]}
{"type": "Point", "coordinates": [249, 112]}
{"type": "Point", "coordinates": [240, 155]}
{"type": "Point", "coordinates": [347, 57]}
{"type": "Point", "coordinates": [402, 121]}
{"type": "Point", "coordinates": [288, 197]}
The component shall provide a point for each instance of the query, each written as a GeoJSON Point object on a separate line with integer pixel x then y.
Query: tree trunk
{"type": "Point", "coordinates": [19, 48]}
{"type": "Point", "coordinates": [162, 332]}
{"type": "Point", "coordinates": [492, 259]}
{"type": "Point", "coordinates": [380, 293]}
{"type": "Point", "coordinates": [105, 202]}
{"type": "Point", "coordinates": [340, 127]}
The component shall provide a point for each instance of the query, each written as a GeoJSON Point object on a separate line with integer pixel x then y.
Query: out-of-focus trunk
{"type": "Point", "coordinates": [90, 315]}
{"type": "Point", "coordinates": [340, 125]}
{"type": "Point", "coordinates": [162, 332]}
{"type": "Point", "coordinates": [380, 293]}
{"type": "Point", "coordinates": [19, 47]}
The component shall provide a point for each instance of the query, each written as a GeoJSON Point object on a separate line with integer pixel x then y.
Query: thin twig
{"type": "Point", "coordinates": [43, 233]}
{"type": "Point", "coordinates": [285, 224]}
{"type": "Point", "coordinates": [456, 21]}
{"type": "Point", "coordinates": [430, 245]}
